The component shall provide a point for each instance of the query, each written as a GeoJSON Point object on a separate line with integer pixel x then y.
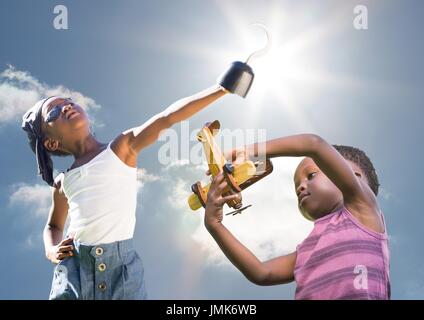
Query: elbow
{"type": "Point", "coordinates": [314, 144]}
{"type": "Point", "coordinates": [260, 278]}
{"type": "Point", "coordinates": [52, 227]}
{"type": "Point", "coordinates": [48, 227]}
{"type": "Point", "coordinates": [267, 279]}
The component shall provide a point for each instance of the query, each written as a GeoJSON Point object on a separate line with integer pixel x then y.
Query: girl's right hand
{"type": "Point", "coordinates": [215, 201]}
{"type": "Point", "coordinates": [61, 251]}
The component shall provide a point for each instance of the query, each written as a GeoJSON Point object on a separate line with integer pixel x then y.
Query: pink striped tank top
{"type": "Point", "coordinates": [342, 259]}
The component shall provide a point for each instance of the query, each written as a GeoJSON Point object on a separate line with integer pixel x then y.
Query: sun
{"type": "Point", "coordinates": [290, 62]}
{"type": "Point", "coordinates": [295, 70]}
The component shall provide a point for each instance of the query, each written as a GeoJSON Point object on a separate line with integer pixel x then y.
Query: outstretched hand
{"type": "Point", "coordinates": [215, 201]}
{"type": "Point", "coordinates": [235, 156]}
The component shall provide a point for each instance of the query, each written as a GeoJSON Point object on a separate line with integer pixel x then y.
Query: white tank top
{"type": "Point", "coordinates": [102, 199]}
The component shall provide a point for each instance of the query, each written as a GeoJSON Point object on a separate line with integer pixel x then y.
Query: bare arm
{"type": "Point", "coordinates": [57, 249]}
{"type": "Point", "coordinates": [275, 271]}
{"type": "Point", "coordinates": [133, 140]}
{"type": "Point", "coordinates": [324, 155]}
{"type": "Point", "coordinates": [357, 195]}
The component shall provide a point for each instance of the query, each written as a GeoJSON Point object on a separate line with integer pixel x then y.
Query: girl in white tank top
{"type": "Point", "coordinates": [96, 260]}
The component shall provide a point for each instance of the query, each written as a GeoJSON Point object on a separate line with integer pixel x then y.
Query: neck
{"type": "Point", "coordinates": [336, 207]}
{"type": "Point", "coordinates": [87, 145]}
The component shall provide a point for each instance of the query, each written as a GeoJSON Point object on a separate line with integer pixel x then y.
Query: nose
{"type": "Point", "coordinates": [300, 188]}
{"type": "Point", "coordinates": [66, 107]}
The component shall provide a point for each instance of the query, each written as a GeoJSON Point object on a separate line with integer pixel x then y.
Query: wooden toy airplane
{"type": "Point", "coordinates": [238, 176]}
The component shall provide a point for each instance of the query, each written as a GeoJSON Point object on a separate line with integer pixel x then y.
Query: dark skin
{"type": "Point", "coordinates": [70, 133]}
{"type": "Point", "coordinates": [324, 183]}
{"type": "Point", "coordinates": [317, 194]}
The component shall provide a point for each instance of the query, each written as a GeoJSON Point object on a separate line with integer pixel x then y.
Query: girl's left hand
{"type": "Point", "coordinates": [235, 156]}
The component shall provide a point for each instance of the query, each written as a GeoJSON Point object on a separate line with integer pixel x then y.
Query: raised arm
{"type": "Point", "coordinates": [357, 195]}
{"type": "Point", "coordinates": [276, 271]}
{"type": "Point", "coordinates": [133, 140]}
{"type": "Point", "coordinates": [332, 164]}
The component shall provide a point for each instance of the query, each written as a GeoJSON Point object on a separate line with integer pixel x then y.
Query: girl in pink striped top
{"type": "Point", "coordinates": [346, 255]}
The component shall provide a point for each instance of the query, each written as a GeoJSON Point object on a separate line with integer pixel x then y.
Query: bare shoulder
{"type": "Point", "coordinates": [366, 210]}
{"type": "Point", "coordinates": [121, 147]}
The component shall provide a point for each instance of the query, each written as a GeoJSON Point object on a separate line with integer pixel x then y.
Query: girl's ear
{"type": "Point", "coordinates": [51, 144]}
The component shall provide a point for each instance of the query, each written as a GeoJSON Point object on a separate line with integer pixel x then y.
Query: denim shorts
{"type": "Point", "coordinates": [109, 271]}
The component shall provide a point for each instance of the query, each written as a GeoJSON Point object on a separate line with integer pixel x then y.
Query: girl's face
{"type": "Point", "coordinates": [317, 195]}
{"type": "Point", "coordinates": [62, 119]}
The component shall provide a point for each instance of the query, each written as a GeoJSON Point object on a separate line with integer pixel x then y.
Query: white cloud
{"type": "Point", "coordinates": [144, 177]}
{"type": "Point", "coordinates": [36, 198]}
{"type": "Point", "coordinates": [33, 202]}
{"type": "Point", "coordinates": [177, 163]}
{"type": "Point", "coordinates": [19, 90]}
{"type": "Point", "coordinates": [272, 227]}
{"type": "Point", "coordinates": [180, 192]}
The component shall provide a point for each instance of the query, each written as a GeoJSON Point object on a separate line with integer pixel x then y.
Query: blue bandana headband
{"type": "Point", "coordinates": [31, 124]}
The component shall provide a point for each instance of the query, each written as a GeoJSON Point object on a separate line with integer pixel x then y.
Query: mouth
{"type": "Point", "coordinates": [72, 114]}
{"type": "Point", "coordinates": [302, 198]}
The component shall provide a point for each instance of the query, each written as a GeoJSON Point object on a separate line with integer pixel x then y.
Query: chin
{"type": "Point", "coordinates": [82, 122]}
{"type": "Point", "coordinates": [306, 214]}
{"type": "Point", "coordinates": [313, 213]}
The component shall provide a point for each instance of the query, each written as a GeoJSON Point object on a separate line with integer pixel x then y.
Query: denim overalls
{"type": "Point", "coordinates": [100, 272]}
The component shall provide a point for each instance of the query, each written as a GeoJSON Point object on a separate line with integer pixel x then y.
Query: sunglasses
{"type": "Point", "coordinates": [55, 112]}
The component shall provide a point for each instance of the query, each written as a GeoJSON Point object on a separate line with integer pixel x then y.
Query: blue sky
{"type": "Point", "coordinates": [127, 61]}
